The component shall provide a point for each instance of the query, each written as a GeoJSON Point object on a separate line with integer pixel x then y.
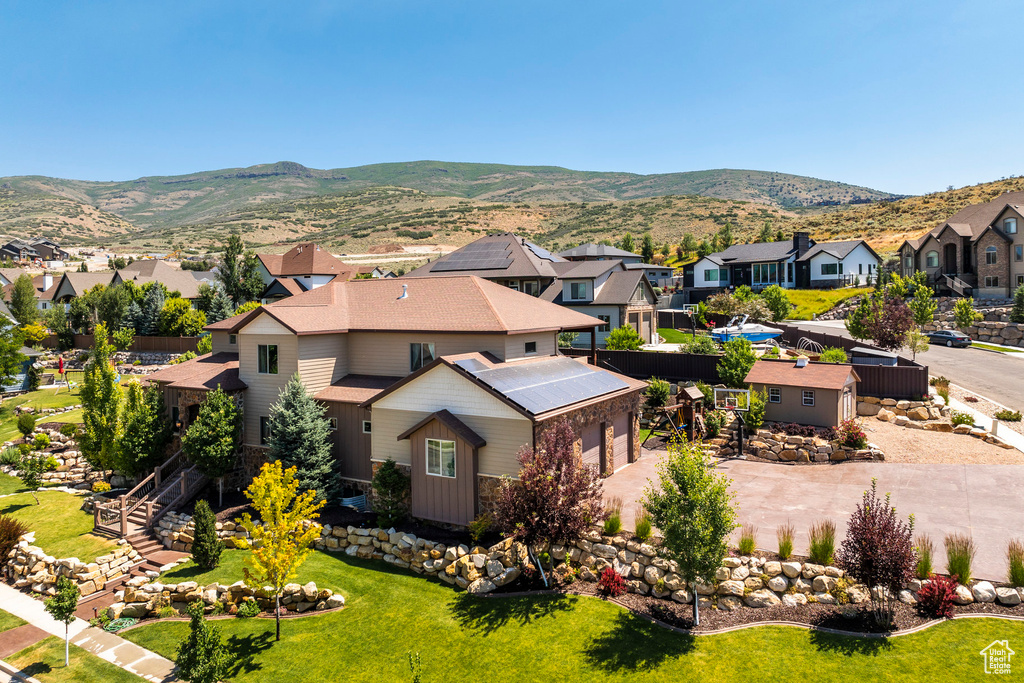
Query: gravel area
{"type": "Point", "coordinates": [901, 444]}
{"type": "Point", "coordinates": [985, 406]}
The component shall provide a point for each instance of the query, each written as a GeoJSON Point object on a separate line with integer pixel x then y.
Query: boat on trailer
{"type": "Point", "coordinates": [739, 327]}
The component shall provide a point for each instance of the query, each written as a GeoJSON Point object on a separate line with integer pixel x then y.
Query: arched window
{"type": "Point", "coordinates": [990, 255]}
{"type": "Point", "coordinates": [931, 259]}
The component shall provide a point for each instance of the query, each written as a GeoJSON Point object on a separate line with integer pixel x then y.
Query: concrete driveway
{"type": "Point", "coordinates": [986, 501]}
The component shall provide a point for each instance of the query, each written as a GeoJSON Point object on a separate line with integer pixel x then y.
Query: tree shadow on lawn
{"type": "Point", "coordinates": [490, 614]}
{"type": "Point", "coordinates": [245, 650]}
{"type": "Point", "coordinates": [849, 645]}
{"type": "Point", "coordinates": [634, 645]}
{"type": "Point", "coordinates": [11, 509]}
{"type": "Point", "coordinates": [36, 669]}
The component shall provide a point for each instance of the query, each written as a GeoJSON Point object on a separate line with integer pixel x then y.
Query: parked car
{"type": "Point", "coordinates": [949, 338]}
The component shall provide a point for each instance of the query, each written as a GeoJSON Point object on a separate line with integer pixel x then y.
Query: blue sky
{"type": "Point", "coordinates": [902, 96]}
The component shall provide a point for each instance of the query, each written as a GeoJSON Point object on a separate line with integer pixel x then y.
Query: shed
{"type": "Point", "coordinates": [863, 355]}
{"type": "Point", "coordinates": [819, 394]}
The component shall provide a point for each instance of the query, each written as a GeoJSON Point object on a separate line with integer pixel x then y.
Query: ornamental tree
{"type": "Point", "coordinates": [964, 313]}
{"type": "Point", "coordinates": [61, 606]}
{"type": "Point", "coordinates": [890, 321]}
{"type": "Point", "coordinates": [101, 404]}
{"type": "Point", "coordinates": [213, 438]}
{"type": "Point", "coordinates": [693, 508]}
{"type": "Point", "coordinates": [179, 319]}
{"type": "Point", "coordinates": [144, 431]}
{"type": "Point", "coordinates": [23, 300]}
{"type": "Point", "coordinates": [879, 551]}
{"type": "Point", "coordinates": [300, 437]}
{"type": "Point", "coordinates": [201, 657]}
{"type": "Point", "coordinates": [736, 362]}
{"type": "Point", "coordinates": [280, 544]}
{"type": "Point", "coordinates": [556, 497]}
{"type": "Point", "coordinates": [206, 547]}
{"type": "Point", "coordinates": [777, 302]}
{"type": "Point", "coordinates": [923, 305]}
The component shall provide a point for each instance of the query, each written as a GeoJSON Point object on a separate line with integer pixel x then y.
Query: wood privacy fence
{"type": "Point", "coordinates": [140, 345]}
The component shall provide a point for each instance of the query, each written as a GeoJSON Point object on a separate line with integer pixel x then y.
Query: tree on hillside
{"type": "Point", "coordinates": [212, 439]}
{"type": "Point", "coordinates": [692, 507]}
{"type": "Point", "coordinates": [556, 496]}
{"type": "Point", "coordinates": [23, 300]}
{"type": "Point", "coordinates": [101, 404]}
{"type": "Point", "coordinates": [703, 249]}
{"type": "Point", "coordinates": [144, 430]}
{"type": "Point", "coordinates": [725, 237]}
{"type": "Point", "coordinates": [300, 437]}
{"type": "Point", "coordinates": [689, 243]}
{"type": "Point", "coordinates": [780, 236]}
{"type": "Point", "coordinates": [280, 544]}
{"type": "Point", "coordinates": [766, 234]}
{"type": "Point", "coordinates": [647, 248]}
{"type": "Point", "coordinates": [626, 243]}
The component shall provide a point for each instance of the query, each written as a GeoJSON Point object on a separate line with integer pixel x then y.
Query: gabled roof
{"type": "Point", "coordinates": [76, 284]}
{"type": "Point", "coordinates": [759, 251]}
{"type": "Point", "coordinates": [812, 376]}
{"type": "Point", "coordinates": [282, 286]}
{"type": "Point", "coordinates": [305, 259]}
{"type": "Point", "coordinates": [619, 287]}
{"type": "Point", "coordinates": [596, 251]}
{"type": "Point", "coordinates": [144, 271]}
{"type": "Point", "coordinates": [584, 270]}
{"type": "Point", "coordinates": [839, 250]}
{"type": "Point", "coordinates": [12, 274]}
{"type": "Point", "coordinates": [500, 255]}
{"type": "Point", "coordinates": [974, 220]}
{"type": "Point", "coordinates": [38, 283]}
{"type": "Point", "coordinates": [463, 304]}
{"type": "Point", "coordinates": [451, 422]}
{"type": "Point", "coordinates": [204, 373]}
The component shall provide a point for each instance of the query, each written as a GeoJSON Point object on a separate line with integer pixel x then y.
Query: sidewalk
{"type": "Point", "coordinates": [108, 646]}
{"type": "Point", "coordinates": [1015, 439]}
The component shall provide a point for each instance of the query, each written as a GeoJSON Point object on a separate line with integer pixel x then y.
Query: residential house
{"type": "Point", "coordinates": [43, 285]}
{"type": "Point", "coordinates": [144, 271]}
{"type": "Point", "coordinates": [799, 263]}
{"type": "Point", "coordinates": [978, 250]}
{"type": "Point", "coordinates": [609, 292]}
{"type": "Point", "coordinates": [304, 267]}
{"type": "Point", "coordinates": [449, 377]}
{"type": "Point", "coordinates": [36, 248]}
{"type": "Point", "coordinates": [19, 250]}
{"type": "Point", "coordinates": [659, 276]}
{"type": "Point", "coordinates": [74, 284]}
{"type": "Point", "coordinates": [599, 252]}
{"type": "Point", "coordinates": [819, 394]}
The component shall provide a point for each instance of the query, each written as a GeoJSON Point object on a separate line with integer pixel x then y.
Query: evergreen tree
{"type": "Point", "coordinates": [149, 321]}
{"type": "Point", "coordinates": [201, 657]}
{"type": "Point", "coordinates": [84, 268]}
{"type": "Point", "coordinates": [250, 284]}
{"type": "Point", "coordinates": [725, 238]}
{"type": "Point", "coordinates": [23, 300]}
{"type": "Point", "coordinates": [626, 243]}
{"type": "Point", "coordinates": [766, 234]}
{"type": "Point", "coordinates": [647, 248]}
{"type": "Point", "coordinates": [101, 404]}
{"type": "Point", "coordinates": [703, 249]}
{"type": "Point", "coordinates": [220, 307]}
{"type": "Point", "coordinates": [144, 432]}
{"type": "Point", "coordinates": [689, 243]}
{"type": "Point", "coordinates": [212, 439]}
{"type": "Point", "coordinates": [11, 357]}
{"type": "Point", "coordinates": [206, 547]}
{"type": "Point", "coordinates": [780, 236]}
{"type": "Point", "coordinates": [228, 271]}
{"type": "Point", "coordinates": [300, 437]}
{"type": "Point", "coordinates": [1017, 312]}
{"type": "Point", "coordinates": [132, 316]}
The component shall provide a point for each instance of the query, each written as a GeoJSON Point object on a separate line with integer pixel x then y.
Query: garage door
{"type": "Point", "coordinates": [620, 448]}
{"type": "Point", "coordinates": [592, 445]}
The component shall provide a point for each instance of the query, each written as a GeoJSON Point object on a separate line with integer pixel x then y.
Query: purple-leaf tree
{"type": "Point", "coordinates": [556, 497]}
{"type": "Point", "coordinates": [890, 322]}
{"type": "Point", "coordinates": [879, 551]}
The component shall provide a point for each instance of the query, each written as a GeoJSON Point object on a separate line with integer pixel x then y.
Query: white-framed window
{"type": "Point", "coordinates": [1010, 226]}
{"type": "Point", "coordinates": [775, 394]}
{"type": "Point", "coordinates": [991, 280]}
{"type": "Point", "coordinates": [991, 256]}
{"type": "Point", "coordinates": [332, 424]}
{"type": "Point", "coordinates": [513, 285]}
{"type": "Point", "coordinates": [532, 288]}
{"type": "Point", "coordinates": [830, 269]}
{"type": "Point", "coordinates": [367, 427]}
{"type": "Point", "coordinates": [931, 259]}
{"type": "Point", "coordinates": [711, 275]}
{"type": "Point", "coordinates": [577, 290]}
{"type": "Point", "coordinates": [607, 320]}
{"type": "Point", "coordinates": [420, 354]}
{"type": "Point", "coordinates": [264, 429]}
{"type": "Point", "coordinates": [266, 355]}
{"type": "Point", "coordinates": [531, 348]}
{"type": "Point", "coordinates": [1018, 252]}
{"type": "Point", "coordinates": [232, 339]}
{"type": "Point", "coordinates": [808, 397]}
{"type": "Point", "coordinates": [441, 458]}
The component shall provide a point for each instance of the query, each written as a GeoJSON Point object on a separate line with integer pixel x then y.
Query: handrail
{"type": "Point", "coordinates": [137, 496]}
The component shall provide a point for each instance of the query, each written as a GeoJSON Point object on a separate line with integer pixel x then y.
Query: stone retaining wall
{"type": "Point", "coordinates": [925, 415]}
{"type": "Point", "coordinates": [72, 467]}
{"type": "Point", "coordinates": [32, 568]}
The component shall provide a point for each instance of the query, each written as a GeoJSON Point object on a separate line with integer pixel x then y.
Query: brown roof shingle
{"type": "Point", "coordinates": [205, 372]}
{"type": "Point", "coordinates": [355, 388]}
{"type": "Point", "coordinates": [305, 259]}
{"type": "Point", "coordinates": [812, 375]}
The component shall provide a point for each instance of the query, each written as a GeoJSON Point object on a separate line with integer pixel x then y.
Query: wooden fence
{"type": "Point", "coordinates": [140, 345]}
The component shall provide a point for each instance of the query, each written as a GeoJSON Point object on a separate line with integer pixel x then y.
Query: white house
{"type": "Point", "coordinates": [841, 263]}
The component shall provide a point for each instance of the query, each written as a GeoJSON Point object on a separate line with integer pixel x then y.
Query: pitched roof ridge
{"type": "Point", "coordinates": [487, 298]}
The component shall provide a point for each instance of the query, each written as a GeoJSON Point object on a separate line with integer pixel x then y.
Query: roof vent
{"type": "Point", "coordinates": [405, 292]}
{"type": "Point", "coordinates": [801, 362]}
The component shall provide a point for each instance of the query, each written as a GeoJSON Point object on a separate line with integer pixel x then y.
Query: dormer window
{"type": "Point", "coordinates": [577, 290]}
{"type": "Point", "coordinates": [1010, 226]}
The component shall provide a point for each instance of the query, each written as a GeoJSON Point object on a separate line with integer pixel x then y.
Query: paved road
{"type": "Point", "coordinates": [983, 500]}
{"type": "Point", "coordinates": [994, 375]}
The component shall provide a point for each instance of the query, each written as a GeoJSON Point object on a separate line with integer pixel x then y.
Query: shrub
{"type": "Point", "coordinates": [775, 299]}
{"type": "Point", "coordinates": [100, 486]}
{"type": "Point", "coordinates": [35, 377]}
{"type": "Point", "coordinates": [748, 539]}
{"type": "Point", "coordinates": [248, 609]}
{"type": "Point", "coordinates": [1015, 563]}
{"type": "Point", "coordinates": [960, 552]}
{"type": "Point", "coordinates": [613, 522]}
{"type": "Point", "coordinates": [736, 362]}
{"type": "Point", "coordinates": [205, 345]}
{"type": "Point", "coordinates": [959, 417]}
{"type": "Point", "coordinates": [479, 526]}
{"type": "Point", "coordinates": [1017, 312]}
{"type": "Point", "coordinates": [623, 338]}
{"type": "Point", "coordinates": [937, 597]}
{"type": "Point", "coordinates": [938, 381]}
{"type": "Point", "coordinates": [24, 448]}
{"type": "Point", "coordinates": [943, 392]}
{"type": "Point", "coordinates": [657, 394]}
{"type": "Point", "coordinates": [784, 535]}
{"type": "Point", "coordinates": [187, 356]}
{"type": "Point", "coordinates": [823, 541]}
{"type": "Point", "coordinates": [714, 421]}
{"type": "Point", "coordinates": [643, 523]}
{"type": "Point", "coordinates": [925, 551]}
{"type": "Point", "coordinates": [1008, 415]}
{"type": "Point", "coordinates": [41, 442]}
{"type": "Point", "coordinates": [391, 491]}
{"type": "Point", "coordinates": [10, 456]}
{"type": "Point", "coordinates": [166, 612]}
{"type": "Point", "coordinates": [702, 344]}
{"type": "Point", "coordinates": [833, 355]}
{"type": "Point", "coordinates": [26, 423]}
{"type": "Point", "coordinates": [611, 583]}
{"type": "Point", "coordinates": [123, 338]}
{"type": "Point", "coordinates": [11, 529]}
{"type": "Point", "coordinates": [68, 429]}
{"type": "Point", "coordinates": [851, 435]}
{"type": "Point", "coordinates": [709, 395]}
{"type": "Point", "coordinates": [755, 412]}
{"type": "Point", "coordinates": [206, 547]}
{"type": "Point", "coordinates": [970, 399]}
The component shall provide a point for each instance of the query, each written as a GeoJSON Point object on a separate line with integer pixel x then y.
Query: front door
{"type": "Point", "coordinates": [949, 259]}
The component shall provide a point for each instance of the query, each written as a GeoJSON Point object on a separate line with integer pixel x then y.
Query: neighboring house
{"type": "Point", "coordinates": [20, 380]}
{"type": "Point", "coordinates": [74, 284]}
{"type": "Point", "coordinates": [9, 275]}
{"type": "Point", "coordinates": [599, 252]}
{"type": "Point", "coordinates": [819, 394]}
{"type": "Point", "coordinates": [659, 276]}
{"type": "Point", "coordinates": [450, 377]}
{"type": "Point", "coordinates": [41, 248]}
{"type": "Point", "coordinates": [300, 269]}
{"type": "Point", "coordinates": [978, 250]}
{"type": "Point", "coordinates": [49, 250]}
{"type": "Point", "coordinates": [19, 250]}
{"type": "Point", "coordinates": [609, 292]}
{"type": "Point", "coordinates": [45, 287]}
{"type": "Point", "coordinates": [144, 271]}
{"type": "Point", "coordinates": [799, 263]}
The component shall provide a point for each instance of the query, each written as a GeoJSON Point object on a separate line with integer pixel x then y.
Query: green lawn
{"type": "Point", "coordinates": [810, 302]}
{"type": "Point", "coordinates": [45, 661]}
{"type": "Point", "coordinates": [672, 336]}
{"type": "Point", "coordinates": [62, 528]}
{"type": "Point", "coordinates": [9, 484]}
{"type": "Point", "coordinates": [48, 397]}
{"type": "Point", "coordinates": [990, 347]}
{"type": "Point", "coordinates": [391, 613]}
{"type": "Point", "coordinates": [9, 621]}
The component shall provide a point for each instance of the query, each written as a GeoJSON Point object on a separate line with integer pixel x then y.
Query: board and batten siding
{"type": "Point", "coordinates": [264, 389]}
{"type": "Point", "coordinates": [351, 445]}
{"type": "Point", "coordinates": [451, 500]}
{"type": "Point", "coordinates": [387, 353]}
{"type": "Point", "coordinates": [323, 359]}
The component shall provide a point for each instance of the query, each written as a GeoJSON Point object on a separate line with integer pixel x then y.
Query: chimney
{"type": "Point", "coordinates": [801, 362]}
{"type": "Point", "coordinates": [47, 280]}
{"type": "Point", "coordinates": [802, 242]}
{"type": "Point", "coordinates": [405, 292]}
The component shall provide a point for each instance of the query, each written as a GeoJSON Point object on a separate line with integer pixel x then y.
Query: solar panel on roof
{"type": "Point", "coordinates": [471, 364]}
{"type": "Point", "coordinates": [539, 387]}
{"type": "Point", "coordinates": [476, 256]}
{"type": "Point", "coordinates": [540, 252]}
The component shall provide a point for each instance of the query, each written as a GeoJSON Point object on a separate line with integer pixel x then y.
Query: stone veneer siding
{"type": "Point", "coordinates": [606, 412]}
